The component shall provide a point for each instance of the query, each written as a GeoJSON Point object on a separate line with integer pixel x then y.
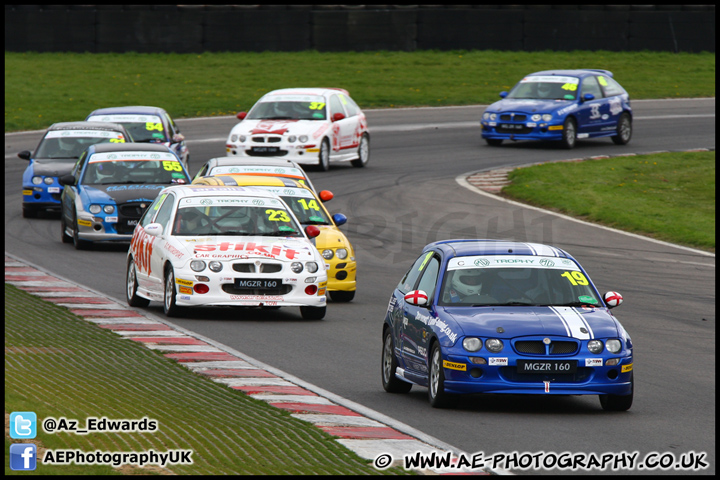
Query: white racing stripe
{"type": "Point", "coordinates": [573, 322]}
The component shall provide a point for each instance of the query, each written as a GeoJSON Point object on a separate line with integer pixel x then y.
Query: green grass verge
{"type": "Point", "coordinates": [668, 196]}
{"type": "Point", "coordinates": [58, 365]}
{"type": "Point", "coordinates": [43, 88]}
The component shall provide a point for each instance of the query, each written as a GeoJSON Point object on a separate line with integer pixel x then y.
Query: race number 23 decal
{"type": "Point", "coordinates": [277, 215]}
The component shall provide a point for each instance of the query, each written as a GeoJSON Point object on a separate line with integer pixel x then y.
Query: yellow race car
{"type": "Point", "coordinates": [332, 244]}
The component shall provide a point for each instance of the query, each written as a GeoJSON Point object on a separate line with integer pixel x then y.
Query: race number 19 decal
{"type": "Point", "coordinates": [576, 278]}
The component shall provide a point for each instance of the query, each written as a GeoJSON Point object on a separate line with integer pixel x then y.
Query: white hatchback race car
{"type": "Point", "coordinates": [310, 126]}
{"type": "Point", "coordinates": [201, 245]}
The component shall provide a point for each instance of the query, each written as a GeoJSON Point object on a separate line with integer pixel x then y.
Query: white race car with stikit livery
{"type": "Point", "coordinates": [310, 126]}
{"type": "Point", "coordinates": [202, 245]}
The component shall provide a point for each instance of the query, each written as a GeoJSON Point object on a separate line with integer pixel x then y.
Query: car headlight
{"type": "Point", "coordinates": [95, 209]}
{"type": "Point", "coordinates": [37, 180]}
{"type": "Point", "coordinates": [494, 344]}
{"type": "Point", "coordinates": [242, 138]}
{"type": "Point", "coordinates": [493, 116]}
{"type": "Point", "coordinates": [303, 138]}
{"type": "Point", "coordinates": [233, 138]}
{"type": "Point", "coordinates": [613, 345]}
{"type": "Point", "coordinates": [215, 266]}
{"type": "Point", "coordinates": [296, 267]}
{"type": "Point", "coordinates": [109, 209]}
{"type": "Point", "coordinates": [595, 346]}
{"type": "Point", "coordinates": [341, 253]}
{"type": "Point", "coordinates": [472, 344]}
{"type": "Point", "coordinates": [536, 117]}
{"type": "Point", "coordinates": [312, 267]}
{"type": "Point", "coordinates": [486, 115]}
{"type": "Point", "coordinates": [197, 265]}
{"type": "Point", "coordinates": [291, 138]}
{"type": "Point", "coordinates": [547, 117]}
{"type": "Point", "coordinates": [48, 180]}
{"type": "Point", "coordinates": [327, 254]}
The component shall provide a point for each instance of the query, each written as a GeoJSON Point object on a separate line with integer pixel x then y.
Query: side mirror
{"type": "Point", "coordinates": [417, 297]}
{"type": "Point", "coordinates": [154, 229]}
{"type": "Point", "coordinates": [588, 96]}
{"type": "Point", "coordinates": [612, 299]}
{"type": "Point", "coordinates": [312, 231]}
{"type": "Point", "coordinates": [241, 115]}
{"type": "Point", "coordinates": [25, 154]}
{"type": "Point", "coordinates": [178, 137]}
{"type": "Point", "coordinates": [67, 180]}
{"type": "Point", "coordinates": [337, 116]}
{"type": "Point", "coordinates": [503, 94]}
{"type": "Point", "coordinates": [339, 219]}
{"type": "Point", "coordinates": [326, 195]}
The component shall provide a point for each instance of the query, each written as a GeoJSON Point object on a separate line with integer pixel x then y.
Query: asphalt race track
{"type": "Point", "coordinates": [408, 196]}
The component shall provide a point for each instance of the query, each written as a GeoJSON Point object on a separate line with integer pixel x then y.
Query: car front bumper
{"type": "Point", "coordinates": [520, 131]}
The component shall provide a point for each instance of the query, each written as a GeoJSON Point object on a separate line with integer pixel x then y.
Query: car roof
{"type": "Point", "coordinates": [87, 126]}
{"type": "Point", "coordinates": [213, 190]}
{"type": "Point", "coordinates": [138, 109]}
{"type": "Point", "coordinates": [129, 147]}
{"type": "Point", "coordinates": [269, 162]}
{"type": "Point", "coordinates": [308, 91]}
{"type": "Point", "coordinates": [468, 247]}
{"type": "Point", "coordinates": [258, 180]}
{"type": "Point", "coordinates": [580, 72]}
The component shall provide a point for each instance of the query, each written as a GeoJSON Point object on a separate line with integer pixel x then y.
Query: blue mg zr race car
{"type": "Point", "coordinates": [563, 106]}
{"type": "Point", "coordinates": [486, 316]}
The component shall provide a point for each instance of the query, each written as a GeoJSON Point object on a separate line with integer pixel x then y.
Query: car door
{"type": "Point", "coordinates": [146, 248]}
{"type": "Point", "coordinates": [592, 113]}
{"type": "Point", "coordinates": [344, 129]}
{"type": "Point", "coordinates": [418, 320]}
{"type": "Point", "coordinates": [616, 97]}
{"type": "Point", "coordinates": [70, 192]}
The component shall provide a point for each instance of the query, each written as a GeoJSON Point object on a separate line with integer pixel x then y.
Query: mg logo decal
{"type": "Point", "coordinates": [547, 263]}
{"type": "Point", "coordinates": [481, 262]}
{"type": "Point", "coordinates": [205, 201]}
{"type": "Point", "coordinates": [258, 202]}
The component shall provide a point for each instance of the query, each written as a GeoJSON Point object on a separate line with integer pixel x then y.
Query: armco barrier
{"type": "Point", "coordinates": [257, 28]}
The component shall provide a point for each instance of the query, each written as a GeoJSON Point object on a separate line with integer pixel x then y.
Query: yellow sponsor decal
{"type": "Point", "coordinates": [312, 150]}
{"type": "Point", "coordinates": [555, 127]}
{"type": "Point", "coordinates": [626, 368]}
{"type": "Point", "coordinates": [185, 290]}
{"type": "Point", "coordinates": [454, 366]}
{"type": "Point", "coordinates": [321, 291]}
{"type": "Point", "coordinates": [322, 284]}
{"type": "Point", "coordinates": [187, 283]}
{"type": "Point", "coordinates": [27, 192]}
{"type": "Point", "coordinates": [85, 223]}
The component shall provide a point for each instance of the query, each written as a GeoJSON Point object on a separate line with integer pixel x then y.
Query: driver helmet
{"type": "Point", "coordinates": [66, 145]}
{"type": "Point", "coordinates": [105, 170]}
{"type": "Point", "coordinates": [189, 220]}
{"type": "Point", "coordinates": [467, 281]}
{"type": "Point", "coordinates": [282, 109]}
{"type": "Point", "coordinates": [544, 90]}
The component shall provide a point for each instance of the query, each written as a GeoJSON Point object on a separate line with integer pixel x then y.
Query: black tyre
{"type": "Point", "coordinates": [389, 364]}
{"type": "Point", "coordinates": [170, 296]}
{"type": "Point", "coordinates": [436, 381]}
{"type": "Point", "coordinates": [363, 152]}
{"type": "Point", "coordinates": [569, 135]}
{"type": "Point", "coordinates": [324, 156]}
{"type": "Point", "coordinates": [79, 244]}
{"type": "Point", "coordinates": [29, 212]}
{"type": "Point", "coordinates": [131, 287]}
{"type": "Point", "coordinates": [619, 403]}
{"type": "Point", "coordinates": [624, 130]}
{"type": "Point", "coordinates": [63, 234]}
{"type": "Point", "coordinates": [313, 313]}
{"type": "Point", "coordinates": [340, 296]}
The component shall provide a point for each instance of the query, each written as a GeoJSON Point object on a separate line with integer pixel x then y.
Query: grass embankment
{"type": "Point", "coordinates": [58, 365]}
{"type": "Point", "coordinates": [43, 88]}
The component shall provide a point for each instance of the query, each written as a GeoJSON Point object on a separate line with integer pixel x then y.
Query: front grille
{"type": "Point", "coordinates": [258, 139]}
{"type": "Point", "coordinates": [274, 139]}
{"type": "Point", "coordinates": [537, 347]}
{"type": "Point", "coordinates": [128, 216]}
{"type": "Point", "coordinates": [516, 117]}
{"type": "Point", "coordinates": [279, 153]}
{"type": "Point", "coordinates": [251, 267]}
{"type": "Point", "coordinates": [510, 374]}
{"type": "Point", "coordinates": [282, 290]}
